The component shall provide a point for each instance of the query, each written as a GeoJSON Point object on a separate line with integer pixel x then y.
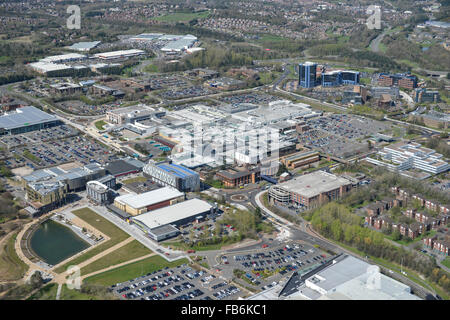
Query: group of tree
{"type": "Point", "coordinates": [337, 222]}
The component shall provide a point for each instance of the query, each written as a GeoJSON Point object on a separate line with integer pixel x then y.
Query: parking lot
{"type": "Point", "coordinates": [47, 154]}
{"type": "Point", "coordinates": [36, 137]}
{"type": "Point", "coordinates": [340, 135]}
{"type": "Point", "coordinates": [265, 267]}
{"type": "Point", "coordinates": [158, 82]}
{"type": "Point", "coordinates": [348, 126]}
{"type": "Point", "coordinates": [188, 92]}
{"type": "Point", "coordinates": [180, 283]}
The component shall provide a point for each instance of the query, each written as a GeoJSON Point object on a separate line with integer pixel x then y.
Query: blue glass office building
{"type": "Point", "coordinates": [307, 74]}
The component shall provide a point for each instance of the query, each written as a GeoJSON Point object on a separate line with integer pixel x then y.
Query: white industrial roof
{"type": "Point", "coordinates": [64, 57]}
{"type": "Point", "coordinates": [149, 198]}
{"type": "Point", "coordinates": [113, 54]}
{"type": "Point", "coordinates": [48, 66]}
{"type": "Point", "coordinates": [25, 116]}
{"type": "Point", "coordinates": [173, 213]}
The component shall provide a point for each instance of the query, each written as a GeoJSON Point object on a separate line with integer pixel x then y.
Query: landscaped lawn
{"type": "Point", "coordinates": [11, 267]}
{"type": "Point", "coordinates": [98, 222]}
{"type": "Point", "coordinates": [133, 270]}
{"type": "Point", "coordinates": [100, 124]}
{"type": "Point", "coordinates": [130, 251]}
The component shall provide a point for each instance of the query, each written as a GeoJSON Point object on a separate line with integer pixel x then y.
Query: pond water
{"type": "Point", "coordinates": [53, 242]}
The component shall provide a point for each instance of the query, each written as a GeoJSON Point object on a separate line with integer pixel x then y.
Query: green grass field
{"type": "Point", "coordinates": [132, 180]}
{"type": "Point", "coordinates": [182, 16]}
{"type": "Point", "coordinates": [116, 235]}
{"type": "Point", "coordinates": [130, 251]}
{"type": "Point", "coordinates": [446, 262]}
{"type": "Point", "coordinates": [99, 124]}
{"type": "Point", "coordinates": [133, 270]}
{"type": "Point", "coordinates": [11, 267]}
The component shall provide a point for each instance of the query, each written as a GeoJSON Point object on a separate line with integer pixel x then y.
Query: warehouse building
{"type": "Point", "coordinates": [310, 190]}
{"type": "Point", "coordinates": [176, 176]}
{"type": "Point", "coordinates": [51, 69]}
{"type": "Point", "coordinates": [26, 119]}
{"type": "Point", "coordinates": [121, 54]}
{"type": "Point", "coordinates": [161, 224]}
{"type": "Point", "coordinates": [135, 204]}
{"type": "Point", "coordinates": [70, 57]}
{"type": "Point", "coordinates": [343, 278]}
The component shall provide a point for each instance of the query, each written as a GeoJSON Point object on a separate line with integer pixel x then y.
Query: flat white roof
{"type": "Point", "coordinates": [173, 213]}
{"type": "Point", "coordinates": [112, 54]}
{"type": "Point", "coordinates": [62, 57]}
{"type": "Point", "coordinates": [149, 198]}
{"type": "Point", "coordinates": [48, 66]}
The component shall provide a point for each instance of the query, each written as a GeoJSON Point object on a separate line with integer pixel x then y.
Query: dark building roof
{"type": "Point", "coordinates": [119, 167]}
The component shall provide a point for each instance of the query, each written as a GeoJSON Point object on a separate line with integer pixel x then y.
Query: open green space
{"type": "Point", "coordinates": [182, 16]}
{"type": "Point", "coordinates": [98, 222]}
{"type": "Point", "coordinates": [446, 262]}
{"type": "Point", "coordinates": [270, 37]}
{"type": "Point", "coordinates": [133, 180]}
{"type": "Point", "coordinates": [130, 251]}
{"type": "Point", "coordinates": [99, 124]}
{"type": "Point", "coordinates": [11, 267]}
{"type": "Point", "coordinates": [151, 68]}
{"type": "Point", "coordinates": [133, 270]}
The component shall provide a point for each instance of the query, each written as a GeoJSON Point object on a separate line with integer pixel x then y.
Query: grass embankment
{"type": "Point", "coordinates": [11, 267]}
{"type": "Point", "coordinates": [130, 251]}
{"type": "Point", "coordinates": [115, 234]}
{"type": "Point", "coordinates": [204, 247]}
{"type": "Point", "coordinates": [132, 271]}
{"type": "Point", "coordinates": [47, 292]}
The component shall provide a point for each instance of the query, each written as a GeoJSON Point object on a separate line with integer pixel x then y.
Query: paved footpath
{"type": "Point", "coordinates": [61, 278]}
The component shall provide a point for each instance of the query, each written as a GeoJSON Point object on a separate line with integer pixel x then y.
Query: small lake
{"type": "Point", "coordinates": [53, 242]}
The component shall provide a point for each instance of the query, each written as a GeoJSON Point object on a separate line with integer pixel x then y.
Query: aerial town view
{"type": "Point", "coordinates": [235, 150]}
